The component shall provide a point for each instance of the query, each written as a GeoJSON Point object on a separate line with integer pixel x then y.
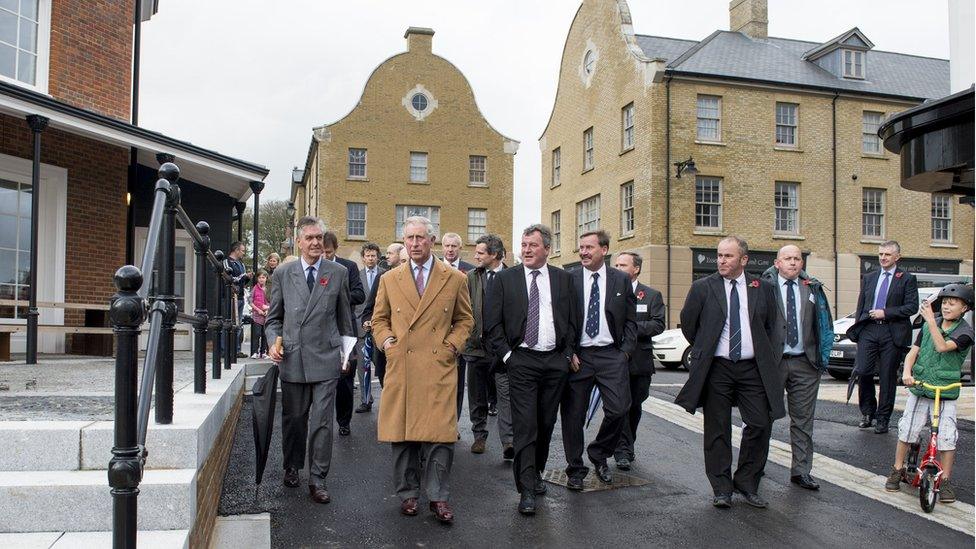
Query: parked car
{"type": "Point", "coordinates": [671, 349]}
{"type": "Point", "coordinates": [844, 351]}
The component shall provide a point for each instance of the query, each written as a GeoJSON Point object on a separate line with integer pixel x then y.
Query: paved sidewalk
{"type": "Point", "coordinates": [965, 406]}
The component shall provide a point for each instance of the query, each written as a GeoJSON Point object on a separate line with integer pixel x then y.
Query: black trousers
{"type": "Point", "coordinates": [462, 366]}
{"type": "Point", "coordinates": [875, 347]}
{"type": "Point", "coordinates": [606, 368]}
{"type": "Point", "coordinates": [728, 384]}
{"type": "Point", "coordinates": [379, 365]}
{"type": "Point", "coordinates": [536, 383]}
{"type": "Point", "coordinates": [478, 376]}
{"type": "Point", "coordinates": [640, 386]}
{"type": "Point", "coordinates": [345, 391]}
{"type": "Point", "coordinates": [492, 390]}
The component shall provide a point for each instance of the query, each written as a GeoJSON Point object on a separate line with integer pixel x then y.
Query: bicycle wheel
{"type": "Point", "coordinates": [926, 490]}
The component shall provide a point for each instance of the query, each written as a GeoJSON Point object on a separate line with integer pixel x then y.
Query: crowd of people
{"type": "Point", "coordinates": [529, 343]}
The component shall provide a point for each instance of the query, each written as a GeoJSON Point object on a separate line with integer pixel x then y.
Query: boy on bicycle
{"type": "Point", "coordinates": [936, 358]}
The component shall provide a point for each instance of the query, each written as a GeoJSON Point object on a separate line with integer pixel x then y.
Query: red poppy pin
{"type": "Point", "coordinates": [806, 282]}
{"type": "Point", "coordinates": [899, 273]}
{"type": "Point", "coordinates": [754, 283]}
{"type": "Point", "coordinates": [640, 294]}
{"type": "Point", "coordinates": [324, 281]}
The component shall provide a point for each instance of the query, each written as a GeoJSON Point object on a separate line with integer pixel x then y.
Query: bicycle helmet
{"type": "Point", "coordinates": [961, 291]}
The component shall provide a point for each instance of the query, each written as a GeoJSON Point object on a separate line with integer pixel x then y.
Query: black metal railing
{"type": "Point", "coordinates": [130, 307]}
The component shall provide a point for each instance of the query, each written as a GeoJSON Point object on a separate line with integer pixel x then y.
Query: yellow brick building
{"type": "Point", "coordinates": [416, 143]}
{"type": "Point", "coordinates": [773, 125]}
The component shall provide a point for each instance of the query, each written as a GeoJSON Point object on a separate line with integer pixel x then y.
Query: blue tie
{"type": "Point", "coordinates": [792, 332]}
{"type": "Point", "coordinates": [310, 279]}
{"type": "Point", "coordinates": [593, 308]}
{"type": "Point", "coordinates": [369, 279]}
{"type": "Point", "coordinates": [879, 302]}
{"type": "Point", "coordinates": [735, 328]}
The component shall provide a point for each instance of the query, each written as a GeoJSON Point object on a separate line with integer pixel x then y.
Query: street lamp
{"type": "Point", "coordinates": [290, 241]}
{"type": "Point", "coordinates": [686, 166]}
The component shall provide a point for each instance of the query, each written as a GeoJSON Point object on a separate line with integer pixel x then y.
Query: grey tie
{"type": "Point", "coordinates": [532, 322]}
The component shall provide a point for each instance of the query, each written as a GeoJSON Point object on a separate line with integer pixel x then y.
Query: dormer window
{"type": "Point", "coordinates": [853, 64]}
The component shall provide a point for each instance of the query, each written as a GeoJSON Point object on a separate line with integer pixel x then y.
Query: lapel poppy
{"type": "Point", "coordinates": [324, 281]}
{"type": "Point", "coordinates": [806, 282]}
{"type": "Point", "coordinates": [640, 294]}
{"type": "Point", "coordinates": [754, 283]}
{"type": "Point", "coordinates": [899, 273]}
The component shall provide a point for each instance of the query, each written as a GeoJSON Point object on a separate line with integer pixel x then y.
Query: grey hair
{"type": "Point", "coordinates": [420, 220]}
{"type": "Point", "coordinates": [739, 241]}
{"type": "Point", "coordinates": [445, 236]}
{"type": "Point", "coordinates": [543, 231]}
{"type": "Point", "coordinates": [891, 244]}
{"type": "Point", "coordinates": [308, 221]}
{"type": "Point", "coordinates": [396, 246]}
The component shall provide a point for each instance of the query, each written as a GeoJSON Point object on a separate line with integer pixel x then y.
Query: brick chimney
{"type": "Point", "coordinates": [749, 17]}
{"type": "Point", "coordinates": [419, 39]}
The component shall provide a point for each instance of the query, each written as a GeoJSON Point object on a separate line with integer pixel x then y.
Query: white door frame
{"type": "Point", "coordinates": [181, 342]}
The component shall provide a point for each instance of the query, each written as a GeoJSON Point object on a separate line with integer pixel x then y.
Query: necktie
{"type": "Point", "coordinates": [593, 308]}
{"type": "Point", "coordinates": [879, 302]}
{"type": "Point", "coordinates": [369, 279]}
{"type": "Point", "coordinates": [792, 332]}
{"type": "Point", "coordinates": [735, 328]}
{"type": "Point", "coordinates": [310, 279]}
{"type": "Point", "coordinates": [532, 322]}
{"type": "Point", "coordinates": [420, 280]}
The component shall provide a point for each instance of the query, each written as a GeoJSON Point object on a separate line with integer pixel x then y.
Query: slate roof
{"type": "Point", "coordinates": [780, 60]}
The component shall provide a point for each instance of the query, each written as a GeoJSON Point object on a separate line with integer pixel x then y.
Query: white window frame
{"type": "Point", "coordinates": [855, 67]}
{"type": "Point", "coordinates": [349, 233]}
{"type": "Point", "coordinates": [401, 213]}
{"type": "Point", "coordinates": [941, 200]}
{"type": "Point", "coordinates": [879, 212]}
{"type": "Point", "coordinates": [870, 142]}
{"type": "Point", "coordinates": [350, 163]}
{"type": "Point", "coordinates": [555, 224]}
{"type": "Point", "coordinates": [701, 180]}
{"type": "Point", "coordinates": [588, 149]}
{"type": "Point", "coordinates": [42, 68]}
{"type": "Point", "coordinates": [702, 112]}
{"type": "Point", "coordinates": [473, 224]}
{"type": "Point", "coordinates": [587, 215]}
{"type": "Point", "coordinates": [628, 221]}
{"type": "Point", "coordinates": [418, 172]}
{"type": "Point", "coordinates": [627, 127]}
{"type": "Point", "coordinates": [556, 167]}
{"type": "Point", "coordinates": [790, 208]}
{"type": "Point", "coordinates": [785, 124]}
{"type": "Point", "coordinates": [473, 171]}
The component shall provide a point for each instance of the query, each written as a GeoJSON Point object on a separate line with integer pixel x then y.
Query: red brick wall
{"type": "Point", "coordinates": [96, 211]}
{"type": "Point", "coordinates": [91, 55]}
{"type": "Point", "coordinates": [210, 479]}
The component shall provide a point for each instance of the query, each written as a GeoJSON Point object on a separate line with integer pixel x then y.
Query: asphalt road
{"type": "Point", "coordinates": [672, 510]}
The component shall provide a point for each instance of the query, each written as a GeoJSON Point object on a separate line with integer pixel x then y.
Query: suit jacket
{"type": "Point", "coordinates": [620, 307]}
{"type": "Point", "coordinates": [419, 401]}
{"type": "Point", "coordinates": [478, 288]}
{"type": "Point", "coordinates": [357, 295]}
{"type": "Point", "coordinates": [650, 322]}
{"type": "Point", "coordinates": [900, 305]}
{"type": "Point", "coordinates": [463, 266]}
{"type": "Point", "coordinates": [702, 320]}
{"type": "Point", "coordinates": [508, 308]}
{"type": "Point", "coordinates": [369, 291]}
{"type": "Point", "coordinates": [311, 324]}
{"type": "Point", "coordinates": [808, 321]}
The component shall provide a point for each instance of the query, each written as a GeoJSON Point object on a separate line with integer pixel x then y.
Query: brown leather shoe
{"type": "Point", "coordinates": [442, 511]}
{"type": "Point", "coordinates": [409, 507]}
{"type": "Point", "coordinates": [478, 447]}
{"type": "Point", "coordinates": [319, 493]}
{"type": "Point", "coordinates": [291, 478]}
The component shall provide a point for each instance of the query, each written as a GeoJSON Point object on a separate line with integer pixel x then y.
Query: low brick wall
{"type": "Point", "coordinates": [210, 479]}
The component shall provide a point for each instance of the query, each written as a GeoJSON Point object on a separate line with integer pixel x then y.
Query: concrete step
{"type": "Point", "coordinates": [236, 531]}
{"type": "Point", "coordinates": [257, 367]}
{"type": "Point", "coordinates": [152, 539]}
{"type": "Point", "coordinates": [80, 501]}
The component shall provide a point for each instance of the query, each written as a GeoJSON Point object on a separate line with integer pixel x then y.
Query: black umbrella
{"type": "Point", "coordinates": [262, 418]}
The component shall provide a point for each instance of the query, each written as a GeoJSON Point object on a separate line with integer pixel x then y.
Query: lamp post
{"type": "Point", "coordinates": [290, 241]}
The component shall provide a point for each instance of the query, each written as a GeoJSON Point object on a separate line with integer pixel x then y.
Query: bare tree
{"type": "Point", "coordinates": [273, 230]}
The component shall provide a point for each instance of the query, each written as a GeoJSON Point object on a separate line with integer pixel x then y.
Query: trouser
{"type": "Point", "coordinates": [874, 347]}
{"type": "Point", "coordinates": [260, 347]}
{"type": "Point", "coordinates": [504, 405]}
{"type": "Point", "coordinates": [640, 387]}
{"type": "Point", "coordinates": [536, 383]}
{"type": "Point", "coordinates": [345, 391]}
{"type": "Point", "coordinates": [736, 383]}
{"type": "Point", "coordinates": [492, 391]}
{"type": "Point", "coordinates": [306, 417]}
{"type": "Point", "coordinates": [435, 458]}
{"type": "Point", "coordinates": [606, 368]}
{"type": "Point", "coordinates": [802, 382]}
{"type": "Point", "coordinates": [239, 328]}
{"type": "Point", "coordinates": [461, 372]}
{"type": "Point", "coordinates": [478, 374]}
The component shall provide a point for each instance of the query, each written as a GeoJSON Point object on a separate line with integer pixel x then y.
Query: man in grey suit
{"type": "Point", "coordinates": [369, 275]}
{"type": "Point", "coordinates": [310, 310]}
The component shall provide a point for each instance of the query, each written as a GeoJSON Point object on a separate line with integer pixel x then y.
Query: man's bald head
{"type": "Point", "coordinates": [789, 261]}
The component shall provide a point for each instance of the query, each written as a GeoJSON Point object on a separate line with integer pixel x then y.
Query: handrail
{"type": "Point", "coordinates": [149, 369]}
{"type": "Point", "coordinates": [191, 229]}
{"type": "Point", "coordinates": [152, 238]}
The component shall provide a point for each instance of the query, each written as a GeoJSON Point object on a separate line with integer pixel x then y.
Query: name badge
{"type": "Point", "coordinates": [641, 308]}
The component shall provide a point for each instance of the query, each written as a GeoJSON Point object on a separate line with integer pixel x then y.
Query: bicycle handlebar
{"type": "Point", "coordinates": [937, 387]}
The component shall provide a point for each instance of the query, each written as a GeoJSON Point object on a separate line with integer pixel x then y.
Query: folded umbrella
{"type": "Point", "coordinates": [365, 382]}
{"type": "Point", "coordinates": [262, 418]}
{"type": "Point", "coordinates": [595, 400]}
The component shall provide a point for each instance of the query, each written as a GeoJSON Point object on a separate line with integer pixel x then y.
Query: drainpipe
{"type": "Point", "coordinates": [833, 143]}
{"type": "Point", "coordinates": [133, 152]}
{"type": "Point", "coordinates": [667, 185]}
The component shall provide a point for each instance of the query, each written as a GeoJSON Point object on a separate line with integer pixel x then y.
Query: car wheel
{"type": "Point", "coordinates": [841, 375]}
{"type": "Point", "coordinates": [686, 359]}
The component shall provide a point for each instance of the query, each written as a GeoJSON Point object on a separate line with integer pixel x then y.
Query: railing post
{"type": "Point", "coordinates": [125, 468]}
{"type": "Point", "coordinates": [37, 124]}
{"type": "Point", "coordinates": [230, 339]}
{"type": "Point", "coordinates": [256, 188]}
{"type": "Point", "coordinates": [217, 326]}
{"type": "Point", "coordinates": [200, 329]}
{"type": "Point", "coordinates": [166, 287]}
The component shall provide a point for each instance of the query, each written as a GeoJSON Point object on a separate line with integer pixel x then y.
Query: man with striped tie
{"type": "Point", "coordinates": [728, 317]}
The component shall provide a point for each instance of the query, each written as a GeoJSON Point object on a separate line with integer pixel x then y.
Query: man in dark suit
{"type": "Point", "coordinates": [650, 322]}
{"type": "Point", "coordinates": [883, 333]}
{"type": "Point", "coordinates": [369, 275]}
{"type": "Point", "coordinates": [727, 318]}
{"type": "Point", "coordinates": [357, 295]}
{"type": "Point", "coordinates": [607, 339]}
{"type": "Point", "coordinates": [532, 322]}
{"type": "Point", "coordinates": [395, 256]}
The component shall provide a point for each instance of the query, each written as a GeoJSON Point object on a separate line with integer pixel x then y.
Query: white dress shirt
{"type": "Point", "coordinates": [783, 288]}
{"type": "Point", "coordinates": [427, 266]}
{"type": "Point", "coordinates": [603, 337]}
{"type": "Point", "coordinates": [547, 327]}
{"type": "Point", "coordinates": [633, 286]}
{"type": "Point", "coordinates": [746, 350]}
{"type": "Point", "coordinates": [315, 272]}
{"type": "Point", "coordinates": [877, 287]}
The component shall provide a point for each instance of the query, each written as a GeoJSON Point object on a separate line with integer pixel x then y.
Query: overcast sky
{"type": "Point", "coordinates": [250, 78]}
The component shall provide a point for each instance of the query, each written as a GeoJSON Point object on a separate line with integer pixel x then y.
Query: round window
{"type": "Point", "coordinates": [419, 102]}
{"type": "Point", "coordinates": [588, 60]}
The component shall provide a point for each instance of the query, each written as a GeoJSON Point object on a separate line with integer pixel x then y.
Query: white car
{"type": "Point", "coordinates": [671, 349]}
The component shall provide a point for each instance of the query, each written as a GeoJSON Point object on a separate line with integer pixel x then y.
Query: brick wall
{"type": "Point", "coordinates": [91, 55]}
{"type": "Point", "coordinates": [210, 479]}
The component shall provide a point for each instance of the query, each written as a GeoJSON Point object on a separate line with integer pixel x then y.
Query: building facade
{"type": "Point", "coordinates": [782, 133]}
{"type": "Point", "coordinates": [415, 144]}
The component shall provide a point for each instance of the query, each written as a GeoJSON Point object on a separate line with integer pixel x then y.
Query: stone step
{"type": "Point", "coordinates": [236, 531]}
{"type": "Point", "coordinates": [80, 501]}
{"type": "Point", "coordinates": [257, 367]}
{"type": "Point", "coordinates": [151, 539]}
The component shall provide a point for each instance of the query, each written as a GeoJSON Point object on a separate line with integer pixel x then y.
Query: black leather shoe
{"type": "Point", "coordinates": [526, 504]}
{"type": "Point", "coordinates": [575, 484]}
{"type": "Point", "coordinates": [508, 452]}
{"type": "Point", "coordinates": [363, 408]}
{"type": "Point", "coordinates": [881, 427]}
{"type": "Point", "coordinates": [603, 473]}
{"type": "Point", "coordinates": [754, 500]}
{"type": "Point", "coordinates": [805, 481]}
{"type": "Point", "coordinates": [623, 464]}
{"type": "Point", "coordinates": [319, 493]}
{"type": "Point", "coordinates": [866, 422]}
{"type": "Point", "coordinates": [344, 431]}
{"type": "Point", "coordinates": [291, 478]}
{"type": "Point", "coordinates": [722, 501]}
{"type": "Point", "coordinates": [540, 487]}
